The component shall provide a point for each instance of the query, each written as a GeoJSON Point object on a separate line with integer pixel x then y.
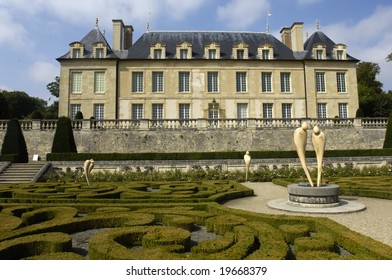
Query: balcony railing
{"type": "Point", "coordinates": [171, 124]}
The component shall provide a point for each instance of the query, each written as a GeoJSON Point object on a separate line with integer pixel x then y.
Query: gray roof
{"type": "Point", "coordinates": [199, 39]}
{"type": "Point", "coordinates": [319, 37]}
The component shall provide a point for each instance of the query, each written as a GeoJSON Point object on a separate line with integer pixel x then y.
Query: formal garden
{"type": "Point", "coordinates": [178, 215]}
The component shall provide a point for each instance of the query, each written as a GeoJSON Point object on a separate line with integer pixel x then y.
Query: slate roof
{"type": "Point", "coordinates": [94, 36]}
{"type": "Point", "coordinates": [199, 39]}
{"type": "Point", "coordinates": [319, 37]}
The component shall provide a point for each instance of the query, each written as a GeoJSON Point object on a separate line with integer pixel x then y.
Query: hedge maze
{"type": "Point", "coordinates": [162, 220]}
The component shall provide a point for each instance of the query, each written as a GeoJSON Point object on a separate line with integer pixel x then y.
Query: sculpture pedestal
{"type": "Point", "coordinates": [306, 196]}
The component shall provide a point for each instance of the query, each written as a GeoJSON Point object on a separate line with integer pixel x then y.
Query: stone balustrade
{"type": "Point", "coordinates": [150, 124]}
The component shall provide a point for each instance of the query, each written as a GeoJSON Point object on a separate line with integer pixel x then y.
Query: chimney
{"type": "Point", "coordinates": [118, 33]}
{"type": "Point", "coordinates": [128, 32]}
{"type": "Point", "coordinates": [297, 37]}
{"type": "Point", "coordinates": [286, 36]}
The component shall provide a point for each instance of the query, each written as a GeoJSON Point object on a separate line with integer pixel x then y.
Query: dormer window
{"type": "Point", "coordinates": [76, 50]}
{"type": "Point", "coordinates": [100, 50]}
{"type": "Point", "coordinates": [158, 51]}
{"type": "Point", "coordinates": [240, 51]}
{"type": "Point", "coordinates": [339, 52]}
{"type": "Point", "coordinates": [320, 51]}
{"type": "Point", "coordinates": [184, 51]}
{"type": "Point", "coordinates": [212, 51]}
{"type": "Point", "coordinates": [266, 52]}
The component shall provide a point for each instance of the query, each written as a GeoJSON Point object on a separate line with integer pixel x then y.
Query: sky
{"type": "Point", "coordinates": [33, 33]}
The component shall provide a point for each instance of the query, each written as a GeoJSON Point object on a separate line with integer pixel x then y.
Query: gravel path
{"type": "Point", "coordinates": [375, 221]}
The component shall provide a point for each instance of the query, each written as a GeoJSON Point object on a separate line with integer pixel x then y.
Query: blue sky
{"type": "Point", "coordinates": [33, 33]}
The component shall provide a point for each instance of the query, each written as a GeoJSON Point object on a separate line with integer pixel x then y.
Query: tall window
{"type": "Point", "coordinates": [241, 81]}
{"type": "Point", "coordinates": [157, 54]}
{"type": "Point", "coordinates": [183, 82]}
{"type": "Point", "coordinates": [99, 82]}
{"type": "Point", "coordinates": [320, 81]}
{"type": "Point", "coordinates": [267, 111]}
{"type": "Point", "coordinates": [76, 82]}
{"type": "Point", "coordinates": [266, 82]}
{"type": "Point", "coordinates": [286, 111]}
{"type": "Point", "coordinates": [322, 110]}
{"type": "Point", "coordinates": [213, 113]}
{"type": "Point", "coordinates": [99, 110]}
{"type": "Point", "coordinates": [76, 53]}
{"type": "Point", "coordinates": [339, 54]}
{"type": "Point", "coordinates": [99, 53]}
{"type": "Point", "coordinates": [240, 54]}
{"type": "Point", "coordinates": [242, 111]}
{"type": "Point", "coordinates": [212, 54]}
{"type": "Point", "coordinates": [184, 113]}
{"type": "Point", "coordinates": [74, 109]}
{"type": "Point", "coordinates": [157, 81]}
{"type": "Point", "coordinates": [137, 111]}
{"type": "Point", "coordinates": [285, 82]}
{"type": "Point", "coordinates": [341, 82]}
{"type": "Point", "coordinates": [213, 82]}
{"type": "Point", "coordinates": [183, 53]}
{"type": "Point", "coordinates": [157, 114]}
{"type": "Point", "coordinates": [137, 81]}
{"type": "Point", "coordinates": [265, 54]}
{"type": "Point", "coordinates": [343, 114]}
{"type": "Point", "coordinates": [319, 54]}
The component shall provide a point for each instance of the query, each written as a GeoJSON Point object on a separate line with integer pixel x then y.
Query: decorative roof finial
{"type": "Point", "coordinates": [148, 23]}
{"type": "Point", "coordinates": [96, 22]}
{"type": "Point", "coordinates": [267, 27]}
{"type": "Point", "coordinates": [317, 24]}
{"type": "Point", "coordinates": [104, 32]}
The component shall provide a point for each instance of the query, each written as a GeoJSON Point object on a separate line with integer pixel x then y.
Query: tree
{"type": "Point", "coordinates": [54, 87]}
{"type": "Point", "coordinates": [14, 142]}
{"type": "Point", "coordinates": [388, 134]}
{"type": "Point", "coordinates": [372, 100]}
{"type": "Point", "coordinates": [63, 141]}
{"type": "Point", "coordinates": [19, 104]}
{"type": "Point", "coordinates": [389, 57]}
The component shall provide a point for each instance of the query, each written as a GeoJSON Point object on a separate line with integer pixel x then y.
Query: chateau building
{"type": "Point", "coordinates": [207, 75]}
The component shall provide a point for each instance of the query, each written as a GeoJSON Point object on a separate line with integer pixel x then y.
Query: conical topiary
{"type": "Point", "coordinates": [79, 115]}
{"type": "Point", "coordinates": [14, 142]}
{"type": "Point", "coordinates": [63, 141]}
{"type": "Point", "coordinates": [388, 133]}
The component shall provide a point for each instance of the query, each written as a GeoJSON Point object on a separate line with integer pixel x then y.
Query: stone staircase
{"type": "Point", "coordinates": [22, 172]}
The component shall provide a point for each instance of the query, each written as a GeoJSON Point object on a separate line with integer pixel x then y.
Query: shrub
{"type": "Point", "coordinates": [388, 134]}
{"type": "Point", "coordinates": [359, 113]}
{"type": "Point", "coordinates": [79, 115]}
{"type": "Point", "coordinates": [64, 141]}
{"type": "Point", "coordinates": [36, 115]}
{"type": "Point", "coordinates": [14, 142]}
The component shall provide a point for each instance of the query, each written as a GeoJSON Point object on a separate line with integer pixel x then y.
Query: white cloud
{"type": "Point", "coordinates": [240, 14]}
{"type": "Point", "coordinates": [368, 40]}
{"type": "Point", "coordinates": [43, 72]}
{"type": "Point", "coordinates": [11, 32]}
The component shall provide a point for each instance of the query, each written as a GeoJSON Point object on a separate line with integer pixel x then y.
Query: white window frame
{"type": "Point", "coordinates": [184, 81]}
{"type": "Point", "coordinates": [99, 82]}
{"type": "Point", "coordinates": [184, 111]}
{"type": "Point", "coordinates": [76, 82]}
{"type": "Point", "coordinates": [285, 82]}
{"type": "Point", "coordinates": [322, 110]}
{"type": "Point", "coordinates": [320, 82]}
{"type": "Point", "coordinates": [137, 111]}
{"type": "Point", "coordinates": [266, 82]}
{"type": "Point", "coordinates": [157, 82]}
{"type": "Point", "coordinates": [341, 82]}
{"type": "Point", "coordinates": [99, 111]}
{"type": "Point", "coordinates": [213, 82]}
{"type": "Point", "coordinates": [242, 111]}
{"type": "Point", "coordinates": [241, 81]}
{"type": "Point", "coordinates": [74, 109]}
{"type": "Point", "coordinates": [287, 111]}
{"type": "Point", "coordinates": [268, 111]}
{"type": "Point", "coordinates": [343, 110]}
{"type": "Point", "coordinates": [137, 82]}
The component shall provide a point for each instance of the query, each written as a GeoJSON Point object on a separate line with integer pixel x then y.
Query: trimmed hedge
{"type": "Point", "coordinates": [388, 134]}
{"type": "Point", "coordinates": [63, 141]}
{"type": "Point", "coordinates": [211, 155]}
{"type": "Point", "coordinates": [14, 145]}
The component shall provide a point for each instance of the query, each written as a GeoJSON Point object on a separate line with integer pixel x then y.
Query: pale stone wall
{"type": "Point", "coordinates": [199, 140]}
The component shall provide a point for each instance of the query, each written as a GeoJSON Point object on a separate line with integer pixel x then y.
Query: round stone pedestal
{"type": "Point", "coordinates": [306, 196]}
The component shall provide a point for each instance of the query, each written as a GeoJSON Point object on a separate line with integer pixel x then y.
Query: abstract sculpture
{"type": "Point", "coordinates": [88, 166]}
{"type": "Point", "coordinates": [318, 140]}
{"type": "Point", "coordinates": [300, 138]}
{"type": "Point", "coordinates": [247, 160]}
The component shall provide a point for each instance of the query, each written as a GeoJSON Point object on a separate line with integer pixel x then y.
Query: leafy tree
{"type": "Point", "coordinates": [3, 106]}
{"type": "Point", "coordinates": [19, 104]}
{"type": "Point", "coordinates": [372, 100]}
{"type": "Point", "coordinates": [388, 134]}
{"type": "Point", "coordinates": [63, 141]}
{"type": "Point", "coordinates": [389, 57]}
{"type": "Point", "coordinates": [54, 87]}
{"type": "Point", "coordinates": [14, 142]}
{"type": "Point", "coordinates": [36, 115]}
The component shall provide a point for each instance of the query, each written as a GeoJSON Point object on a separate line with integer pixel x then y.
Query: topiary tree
{"type": "Point", "coordinates": [14, 142]}
{"type": "Point", "coordinates": [36, 115]}
{"type": "Point", "coordinates": [79, 115]}
{"type": "Point", "coordinates": [359, 113]}
{"type": "Point", "coordinates": [388, 133]}
{"type": "Point", "coordinates": [63, 141]}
